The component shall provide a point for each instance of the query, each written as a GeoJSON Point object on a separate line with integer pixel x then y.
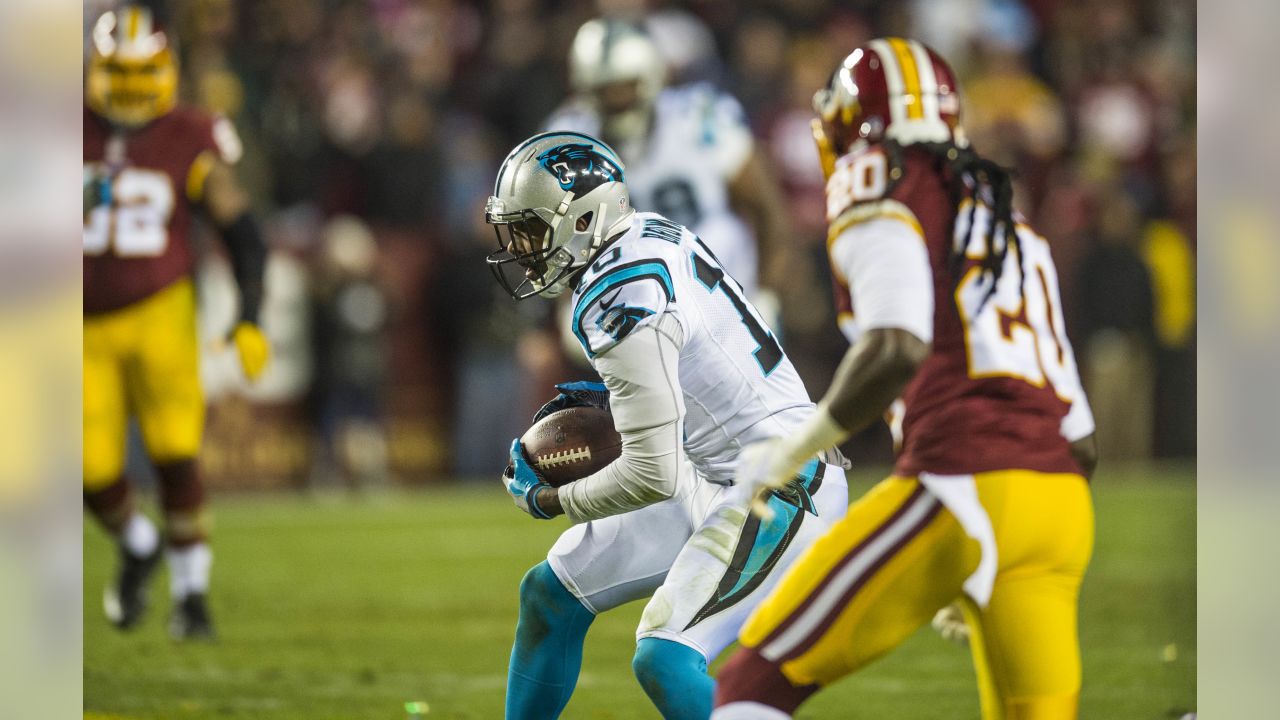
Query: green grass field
{"type": "Point", "coordinates": [349, 608]}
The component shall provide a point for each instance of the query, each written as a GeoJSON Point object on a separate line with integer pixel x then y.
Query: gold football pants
{"type": "Point", "coordinates": [899, 556]}
{"type": "Point", "coordinates": [142, 360]}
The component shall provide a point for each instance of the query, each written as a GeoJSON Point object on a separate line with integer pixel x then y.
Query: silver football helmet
{"type": "Point", "coordinates": [559, 196]}
{"type": "Point", "coordinates": [606, 57]}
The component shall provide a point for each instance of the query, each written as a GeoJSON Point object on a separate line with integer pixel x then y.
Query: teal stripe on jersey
{"type": "Point", "coordinates": [763, 542]}
{"type": "Point", "coordinates": [772, 534]}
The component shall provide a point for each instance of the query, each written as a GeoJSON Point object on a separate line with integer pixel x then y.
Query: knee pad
{"type": "Point", "coordinates": [538, 587]}
{"type": "Point", "coordinates": [535, 580]}
{"type": "Point", "coordinates": [662, 663]}
{"type": "Point", "coordinates": [543, 598]}
{"type": "Point", "coordinates": [674, 676]}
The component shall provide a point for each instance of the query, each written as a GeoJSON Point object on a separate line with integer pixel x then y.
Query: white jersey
{"type": "Point", "coordinates": [693, 375]}
{"type": "Point", "coordinates": [698, 144]}
{"type": "Point", "coordinates": [738, 386]}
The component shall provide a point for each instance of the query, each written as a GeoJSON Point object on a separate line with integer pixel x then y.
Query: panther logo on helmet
{"type": "Point", "coordinates": [579, 167]}
{"type": "Point", "coordinates": [558, 198]}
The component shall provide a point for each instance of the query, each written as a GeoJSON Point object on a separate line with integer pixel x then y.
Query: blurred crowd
{"type": "Point", "coordinates": [373, 129]}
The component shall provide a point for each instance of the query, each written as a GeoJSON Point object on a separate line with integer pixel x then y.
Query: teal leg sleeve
{"type": "Point", "coordinates": [547, 653]}
{"type": "Point", "coordinates": [674, 676]}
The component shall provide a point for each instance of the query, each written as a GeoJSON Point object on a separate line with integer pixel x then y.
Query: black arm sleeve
{"type": "Point", "coordinates": [248, 262]}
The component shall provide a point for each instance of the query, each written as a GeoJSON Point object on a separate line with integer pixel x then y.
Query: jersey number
{"type": "Point", "coordinates": [1016, 333]}
{"type": "Point", "coordinates": [768, 352]}
{"type": "Point", "coordinates": [864, 178]}
{"type": "Point", "coordinates": [136, 222]}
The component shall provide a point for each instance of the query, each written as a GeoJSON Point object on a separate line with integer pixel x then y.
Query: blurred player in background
{"type": "Point", "coordinates": [689, 152]}
{"type": "Point", "coordinates": [148, 164]}
{"type": "Point", "coordinates": [951, 302]}
{"type": "Point", "coordinates": [691, 374]}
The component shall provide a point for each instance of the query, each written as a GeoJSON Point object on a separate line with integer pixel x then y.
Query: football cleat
{"type": "Point", "coordinates": [125, 602]}
{"type": "Point", "coordinates": [190, 619]}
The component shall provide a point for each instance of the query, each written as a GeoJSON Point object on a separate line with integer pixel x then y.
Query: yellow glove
{"type": "Point", "coordinates": [254, 348]}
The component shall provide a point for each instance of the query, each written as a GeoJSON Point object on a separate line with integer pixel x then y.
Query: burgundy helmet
{"type": "Point", "coordinates": [888, 89]}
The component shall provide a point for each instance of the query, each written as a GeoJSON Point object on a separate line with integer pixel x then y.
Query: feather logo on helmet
{"type": "Point", "coordinates": [579, 167]}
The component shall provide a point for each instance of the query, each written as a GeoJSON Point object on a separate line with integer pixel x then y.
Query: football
{"type": "Point", "coordinates": [571, 444]}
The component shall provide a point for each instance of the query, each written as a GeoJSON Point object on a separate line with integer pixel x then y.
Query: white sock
{"type": "Point", "coordinates": [139, 535]}
{"type": "Point", "coordinates": [189, 569]}
{"type": "Point", "coordinates": [748, 711]}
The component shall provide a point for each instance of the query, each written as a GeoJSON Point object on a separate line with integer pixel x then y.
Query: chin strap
{"type": "Point", "coordinates": [560, 211]}
{"type": "Point", "coordinates": [598, 237]}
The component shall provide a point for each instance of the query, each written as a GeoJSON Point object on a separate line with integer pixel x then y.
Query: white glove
{"type": "Point", "coordinates": [762, 467]}
{"type": "Point", "coordinates": [773, 463]}
{"type": "Point", "coordinates": [950, 624]}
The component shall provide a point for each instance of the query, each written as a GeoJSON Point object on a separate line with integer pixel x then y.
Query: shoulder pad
{"type": "Point", "coordinates": [620, 300]}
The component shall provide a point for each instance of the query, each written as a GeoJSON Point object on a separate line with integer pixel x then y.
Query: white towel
{"type": "Point", "coordinates": [959, 494]}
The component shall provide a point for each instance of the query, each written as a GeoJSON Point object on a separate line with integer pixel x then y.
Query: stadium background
{"type": "Point", "coordinates": [373, 129]}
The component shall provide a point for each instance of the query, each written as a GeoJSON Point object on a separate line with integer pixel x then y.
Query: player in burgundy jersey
{"type": "Point", "coordinates": [951, 305]}
{"type": "Point", "coordinates": [148, 165]}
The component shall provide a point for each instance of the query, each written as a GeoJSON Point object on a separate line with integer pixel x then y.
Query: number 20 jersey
{"type": "Point", "coordinates": [738, 385]}
{"type": "Point", "coordinates": [1000, 389]}
{"type": "Point", "coordinates": [139, 242]}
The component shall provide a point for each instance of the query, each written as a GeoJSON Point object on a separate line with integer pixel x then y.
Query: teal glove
{"type": "Point", "coordinates": [523, 482]}
{"type": "Point", "coordinates": [583, 393]}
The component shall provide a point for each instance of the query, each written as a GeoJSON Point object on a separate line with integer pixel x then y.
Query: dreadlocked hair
{"type": "Point", "coordinates": [979, 180]}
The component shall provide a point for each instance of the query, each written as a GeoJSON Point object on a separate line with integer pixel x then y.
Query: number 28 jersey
{"type": "Point", "coordinates": [1000, 389]}
{"type": "Point", "coordinates": [738, 385]}
{"type": "Point", "coordinates": [137, 233]}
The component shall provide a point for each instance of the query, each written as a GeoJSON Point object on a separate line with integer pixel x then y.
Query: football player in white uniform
{"type": "Point", "coordinates": [692, 375]}
{"type": "Point", "coordinates": [689, 152]}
